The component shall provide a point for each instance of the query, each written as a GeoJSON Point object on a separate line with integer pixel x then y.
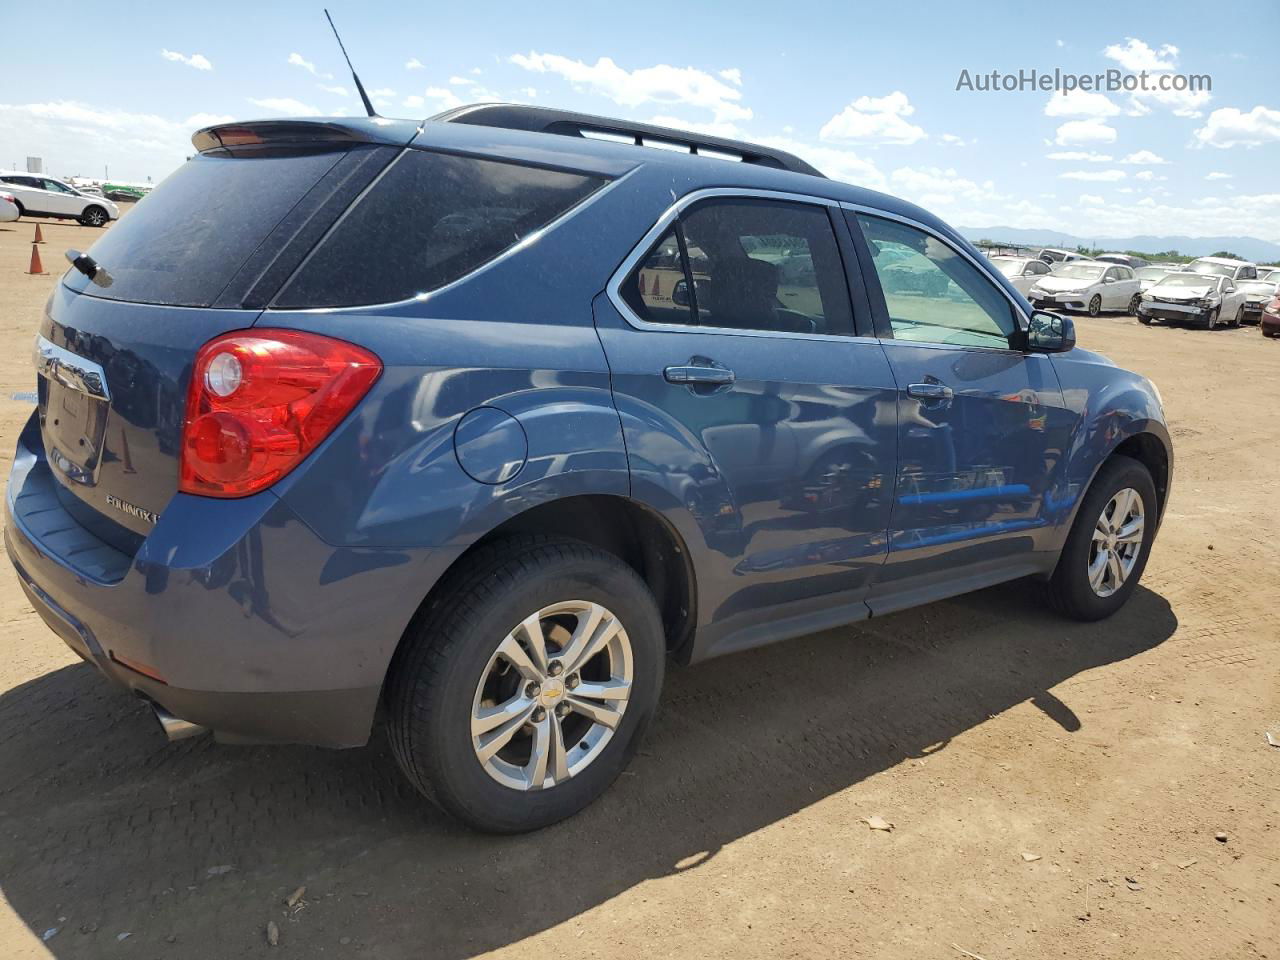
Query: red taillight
{"type": "Point", "coordinates": [260, 401]}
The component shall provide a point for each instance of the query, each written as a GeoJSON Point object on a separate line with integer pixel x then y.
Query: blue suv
{"type": "Point", "coordinates": [464, 426]}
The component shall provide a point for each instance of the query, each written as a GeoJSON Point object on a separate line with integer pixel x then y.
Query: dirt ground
{"type": "Point", "coordinates": [1055, 788]}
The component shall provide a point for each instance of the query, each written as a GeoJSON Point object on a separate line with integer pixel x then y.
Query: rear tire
{"type": "Point", "coordinates": [1070, 591]}
{"type": "Point", "coordinates": [451, 669]}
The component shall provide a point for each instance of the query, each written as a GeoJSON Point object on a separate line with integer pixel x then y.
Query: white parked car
{"type": "Point", "coordinates": [1127, 259]}
{"type": "Point", "coordinates": [1052, 255]}
{"type": "Point", "coordinates": [40, 196]}
{"type": "Point", "coordinates": [1089, 286]}
{"type": "Point", "coordinates": [1257, 294]}
{"type": "Point", "coordinates": [8, 208]}
{"type": "Point", "coordinates": [1270, 274]}
{"type": "Point", "coordinates": [1222, 267]}
{"type": "Point", "coordinates": [1021, 271]}
{"type": "Point", "coordinates": [1205, 299]}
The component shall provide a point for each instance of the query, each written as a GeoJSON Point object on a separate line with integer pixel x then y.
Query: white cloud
{"type": "Point", "coordinates": [1091, 199]}
{"type": "Point", "coordinates": [297, 60]}
{"type": "Point", "coordinates": [1080, 103]}
{"type": "Point", "coordinates": [934, 187]}
{"type": "Point", "coordinates": [1135, 56]}
{"type": "Point", "coordinates": [1060, 44]}
{"type": "Point", "coordinates": [1147, 175]}
{"type": "Point", "coordinates": [662, 84]}
{"type": "Point", "coordinates": [77, 138]}
{"type": "Point", "coordinates": [530, 92]}
{"type": "Point", "coordinates": [1100, 176]}
{"type": "Point", "coordinates": [382, 93]}
{"type": "Point", "coordinates": [1229, 127]}
{"type": "Point", "coordinates": [1080, 156]}
{"type": "Point", "coordinates": [414, 64]}
{"type": "Point", "coordinates": [711, 128]}
{"type": "Point", "coordinates": [413, 102]}
{"type": "Point", "coordinates": [477, 71]}
{"type": "Point", "coordinates": [952, 139]}
{"type": "Point", "coordinates": [286, 105]}
{"type": "Point", "coordinates": [197, 60]}
{"type": "Point", "coordinates": [1183, 103]}
{"type": "Point", "coordinates": [1084, 131]}
{"type": "Point", "coordinates": [733, 75]}
{"type": "Point", "coordinates": [337, 91]}
{"type": "Point", "coordinates": [1217, 175]}
{"type": "Point", "coordinates": [459, 81]}
{"type": "Point", "coordinates": [199, 120]}
{"type": "Point", "coordinates": [439, 98]}
{"type": "Point", "coordinates": [875, 120]}
{"type": "Point", "coordinates": [835, 162]}
{"type": "Point", "coordinates": [1144, 158]}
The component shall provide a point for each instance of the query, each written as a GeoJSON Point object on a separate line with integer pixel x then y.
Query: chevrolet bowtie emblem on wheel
{"type": "Point", "coordinates": [132, 510]}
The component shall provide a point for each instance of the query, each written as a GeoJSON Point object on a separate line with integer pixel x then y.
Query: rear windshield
{"type": "Point", "coordinates": [183, 242]}
{"type": "Point", "coordinates": [428, 220]}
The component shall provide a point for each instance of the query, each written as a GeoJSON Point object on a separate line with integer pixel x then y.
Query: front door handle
{"type": "Point", "coordinates": [934, 392]}
{"type": "Point", "coordinates": [697, 375]}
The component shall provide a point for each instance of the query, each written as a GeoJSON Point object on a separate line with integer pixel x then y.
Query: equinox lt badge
{"type": "Point", "coordinates": [132, 510]}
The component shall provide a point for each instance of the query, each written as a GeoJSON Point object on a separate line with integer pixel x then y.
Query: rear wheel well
{"type": "Point", "coordinates": [634, 534]}
{"type": "Point", "coordinates": [1147, 449]}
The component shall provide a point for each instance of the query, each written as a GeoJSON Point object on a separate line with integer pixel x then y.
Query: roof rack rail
{"type": "Point", "coordinates": [514, 116]}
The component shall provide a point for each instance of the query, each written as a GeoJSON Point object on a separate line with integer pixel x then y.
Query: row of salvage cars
{"type": "Point", "coordinates": [1208, 292]}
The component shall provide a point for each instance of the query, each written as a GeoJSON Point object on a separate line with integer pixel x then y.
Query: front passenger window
{"type": "Point", "coordinates": [932, 293]}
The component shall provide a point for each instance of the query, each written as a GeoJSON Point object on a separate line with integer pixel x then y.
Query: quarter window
{"type": "Point", "coordinates": [931, 292]}
{"type": "Point", "coordinates": [746, 264]}
{"type": "Point", "coordinates": [448, 215]}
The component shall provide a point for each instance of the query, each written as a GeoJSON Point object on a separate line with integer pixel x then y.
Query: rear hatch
{"type": "Point", "coordinates": [198, 257]}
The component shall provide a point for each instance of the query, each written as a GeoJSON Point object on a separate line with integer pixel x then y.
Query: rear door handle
{"type": "Point", "coordinates": [930, 391]}
{"type": "Point", "coordinates": [698, 375]}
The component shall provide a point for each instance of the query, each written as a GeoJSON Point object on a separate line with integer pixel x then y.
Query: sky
{"type": "Point", "coordinates": [867, 93]}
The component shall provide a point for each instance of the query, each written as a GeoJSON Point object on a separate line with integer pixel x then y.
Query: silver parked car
{"type": "Point", "coordinates": [1257, 294]}
{"type": "Point", "coordinates": [1222, 267]}
{"type": "Point", "coordinates": [1021, 271]}
{"type": "Point", "coordinates": [1125, 259]}
{"type": "Point", "coordinates": [1090, 286]}
{"type": "Point", "coordinates": [1149, 276]}
{"type": "Point", "coordinates": [1205, 299]}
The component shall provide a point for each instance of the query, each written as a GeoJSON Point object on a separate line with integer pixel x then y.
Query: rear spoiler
{"type": "Point", "coordinates": [303, 133]}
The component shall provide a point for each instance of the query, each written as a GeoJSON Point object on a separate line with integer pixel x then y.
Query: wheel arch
{"type": "Point", "coordinates": [634, 533]}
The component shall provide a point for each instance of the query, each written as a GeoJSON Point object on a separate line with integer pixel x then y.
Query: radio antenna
{"type": "Point", "coordinates": [354, 76]}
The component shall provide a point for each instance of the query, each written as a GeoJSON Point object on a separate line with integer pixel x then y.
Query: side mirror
{"type": "Point", "coordinates": [680, 293]}
{"type": "Point", "coordinates": [1050, 333]}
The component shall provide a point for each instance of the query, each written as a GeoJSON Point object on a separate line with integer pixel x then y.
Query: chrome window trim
{"type": "Point", "coordinates": [614, 287]}
{"type": "Point", "coordinates": [1018, 311]}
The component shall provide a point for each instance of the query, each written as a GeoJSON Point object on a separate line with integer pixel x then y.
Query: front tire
{"type": "Point", "coordinates": [1095, 305]}
{"type": "Point", "coordinates": [93, 216]}
{"type": "Point", "coordinates": [1109, 543]}
{"type": "Point", "coordinates": [1211, 321]}
{"type": "Point", "coordinates": [520, 696]}
{"type": "Point", "coordinates": [1133, 304]}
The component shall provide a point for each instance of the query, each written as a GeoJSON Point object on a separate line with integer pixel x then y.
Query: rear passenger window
{"type": "Point", "coordinates": [748, 265]}
{"type": "Point", "coordinates": [429, 220]}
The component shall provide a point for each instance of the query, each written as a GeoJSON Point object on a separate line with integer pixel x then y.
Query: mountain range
{"type": "Point", "coordinates": [1259, 251]}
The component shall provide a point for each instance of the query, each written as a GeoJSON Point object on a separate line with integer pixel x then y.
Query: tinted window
{"type": "Point", "coordinates": [653, 287]}
{"type": "Point", "coordinates": [196, 228]}
{"type": "Point", "coordinates": [931, 292]}
{"type": "Point", "coordinates": [430, 219]}
{"type": "Point", "coordinates": [766, 265]}
{"type": "Point", "coordinates": [1037, 267]}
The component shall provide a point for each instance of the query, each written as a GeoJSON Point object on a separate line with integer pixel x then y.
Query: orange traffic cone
{"type": "Point", "coordinates": [39, 237]}
{"type": "Point", "coordinates": [37, 268]}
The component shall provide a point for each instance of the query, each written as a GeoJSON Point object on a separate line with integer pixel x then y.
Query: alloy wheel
{"type": "Point", "coordinates": [1117, 542]}
{"type": "Point", "coordinates": [1095, 305]}
{"type": "Point", "coordinates": [552, 695]}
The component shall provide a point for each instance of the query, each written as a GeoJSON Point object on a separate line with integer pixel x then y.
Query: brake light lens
{"type": "Point", "coordinates": [260, 401]}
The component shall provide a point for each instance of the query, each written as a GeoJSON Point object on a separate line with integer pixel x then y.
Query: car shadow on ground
{"type": "Point", "coordinates": [108, 830]}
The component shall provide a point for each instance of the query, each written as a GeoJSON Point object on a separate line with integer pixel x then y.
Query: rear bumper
{"type": "Point", "coordinates": [233, 614]}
